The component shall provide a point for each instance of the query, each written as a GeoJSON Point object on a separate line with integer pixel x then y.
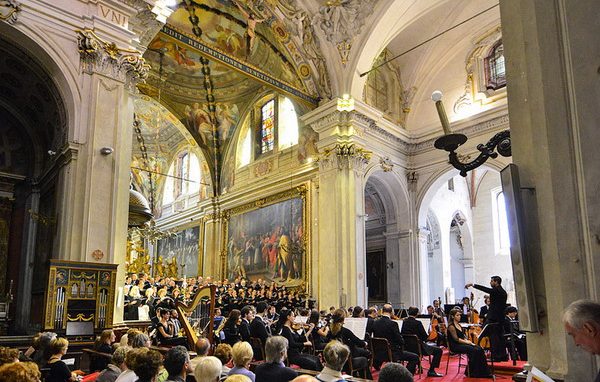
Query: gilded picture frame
{"type": "Point", "coordinates": [186, 247]}
{"type": "Point", "coordinates": [269, 239]}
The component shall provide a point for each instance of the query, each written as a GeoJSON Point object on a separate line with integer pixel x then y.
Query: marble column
{"type": "Point", "coordinates": [339, 276]}
{"type": "Point", "coordinates": [552, 68]}
{"type": "Point", "coordinates": [93, 185]}
{"type": "Point", "coordinates": [425, 273]}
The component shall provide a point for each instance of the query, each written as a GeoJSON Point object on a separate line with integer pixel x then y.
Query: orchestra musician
{"type": "Point", "coordinates": [296, 343]}
{"type": "Point", "coordinates": [437, 331]}
{"type": "Point", "coordinates": [360, 355]}
{"type": "Point", "coordinates": [412, 326]}
{"type": "Point", "coordinates": [458, 343]}
{"type": "Point", "coordinates": [514, 333]}
{"type": "Point", "coordinates": [484, 309]}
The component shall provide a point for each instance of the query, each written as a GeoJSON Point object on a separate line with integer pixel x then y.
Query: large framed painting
{"type": "Point", "coordinates": [268, 239]}
{"type": "Point", "coordinates": [179, 255]}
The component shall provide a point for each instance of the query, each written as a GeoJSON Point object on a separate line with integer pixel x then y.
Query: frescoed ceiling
{"type": "Point", "coordinates": [230, 51]}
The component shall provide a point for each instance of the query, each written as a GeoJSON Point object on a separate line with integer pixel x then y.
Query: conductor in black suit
{"type": "Point", "coordinates": [388, 329]}
{"type": "Point", "coordinates": [495, 315]}
{"type": "Point", "coordinates": [258, 327]}
{"type": "Point", "coordinates": [412, 326]}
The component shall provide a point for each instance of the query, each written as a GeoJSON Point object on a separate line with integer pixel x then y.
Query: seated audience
{"type": "Point", "coordinates": [202, 346]}
{"type": "Point", "coordinates": [59, 371]}
{"type": "Point", "coordinates": [20, 372]}
{"type": "Point", "coordinates": [274, 370]}
{"type": "Point", "coordinates": [147, 365]}
{"type": "Point", "coordinates": [38, 352]}
{"type": "Point", "coordinates": [177, 364]}
{"type": "Point", "coordinates": [103, 344]}
{"type": "Point", "coordinates": [128, 375]}
{"type": "Point", "coordinates": [395, 372]}
{"type": "Point", "coordinates": [115, 367]}
{"type": "Point", "coordinates": [223, 353]}
{"type": "Point", "coordinates": [8, 355]}
{"type": "Point", "coordinates": [412, 326]}
{"type": "Point", "coordinates": [458, 343]}
{"type": "Point", "coordinates": [208, 370]}
{"type": "Point", "coordinates": [242, 356]}
{"type": "Point", "coordinates": [237, 378]}
{"type": "Point", "coordinates": [335, 354]}
{"type": "Point", "coordinates": [582, 322]}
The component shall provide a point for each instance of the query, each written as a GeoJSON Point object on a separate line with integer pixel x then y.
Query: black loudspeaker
{"type": "Point", "coordinates": [521, 267]}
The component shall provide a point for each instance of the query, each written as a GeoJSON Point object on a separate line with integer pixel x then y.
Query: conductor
{"type": "Point", "coordinates": [495, 316]}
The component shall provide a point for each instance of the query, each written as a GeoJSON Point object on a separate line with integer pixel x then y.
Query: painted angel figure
{"type": "Point", "coordinates": [251, 23]}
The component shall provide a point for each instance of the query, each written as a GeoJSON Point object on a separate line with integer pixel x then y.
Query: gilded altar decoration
{"type": "Point", "coordinates": [9, 10]}
{"type": "Point", "coordinates": [122, 63]}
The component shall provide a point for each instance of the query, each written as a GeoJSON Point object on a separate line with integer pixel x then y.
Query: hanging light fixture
{"type": "Point", "coordinates": [451, 141]}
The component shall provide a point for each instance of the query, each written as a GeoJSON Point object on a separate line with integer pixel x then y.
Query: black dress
{"type": "Point", "coordinates": [170, 341]}
{"type": "Point", "coordinates": [295, 355]}
{"type": "Point", "coordinates": [59, 372]}
{"type": "Point", "coordinates": [478, 367]}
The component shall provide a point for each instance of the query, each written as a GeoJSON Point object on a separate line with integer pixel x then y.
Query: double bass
{"type": "Point", "coordinates": [437, 325]}
{"type": "Point", "coordinates": [475, 326]}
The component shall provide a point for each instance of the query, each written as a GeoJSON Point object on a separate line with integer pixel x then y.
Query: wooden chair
{"type": "Point", "coordinates": [362, 372]}
{"type": "Point", "coordinates": [412, 343]}
{"type": "Point", "coordinates": [257, 344]}
{"type": "Point", "coordinates": [382, 351]}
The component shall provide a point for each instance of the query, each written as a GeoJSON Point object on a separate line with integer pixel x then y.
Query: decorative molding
{"type": "Point", "coordinates": [263, 168]}
{"type": "Point", "coordinates": [344, 155]}
{"type": "Point", "coordinates": [386, 164]}
{"type": "Point", "coordinates": [342, 21]}
{"type": "Point", "coordinates": [105, 57]}
{"type": "Point", "coordinates": [9, 10]}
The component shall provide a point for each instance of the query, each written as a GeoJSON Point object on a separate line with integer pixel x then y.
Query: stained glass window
{"type": "Point", "coordinates": [494, 68]}
{"type": "Point", "coordinates": [267, 126]}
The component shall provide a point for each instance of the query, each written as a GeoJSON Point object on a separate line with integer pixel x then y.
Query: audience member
{"type": "Point", "coordinates": [208, 370]}
{"type": "Point", "coordinates": [59, 371]}
{"type": "Point", "coordinates": [335, 354]}
{"type": "Point", "coordinates": [223, 353]}
{"type": "Point", "coordinates": [237, 378]}
{"type": "Point", "coordinates": [273, 369]}
{"type": "Point", "coordinates": [242, 356]}
{"type": "Point", "coordinates": [147, 365]}
{"type": "Point", "coordinates": [20, 372]}
{"type": "Point", "coordinates": [115, 367]}
{"type": "Point", "coordinates": [8, 355]}
{"type": "Point", "coordinates": [395, 372]}
{"type": "Point", "coordinates": [582, 322]}
{"type": "Point", "coordinates": [103, 344]}
{"type": "Point", "coordinates": [177, 363]}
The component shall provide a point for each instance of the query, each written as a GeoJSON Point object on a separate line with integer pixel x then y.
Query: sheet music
{"type": "Point", "coordinates": [358, 326]}
{"type": "Point", "coordinates": [69, 361]}
{"type": "Point", "coordinates": [300, 319]}
{"type": "Point", "coordinates": [426, 322]}
{"type": "Point", "coordinates": [399, 322]}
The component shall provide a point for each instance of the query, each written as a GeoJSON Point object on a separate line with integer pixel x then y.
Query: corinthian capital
{"type": "Point", "coordinates": [344, 155]}
{"type": "Point", "coordinates": [98, 55]}
{"type": "Point", "coordinates": [9, 10]}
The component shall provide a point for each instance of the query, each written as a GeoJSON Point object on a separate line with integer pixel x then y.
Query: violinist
{"type": "Point", "coordinates": [358, 348]}
{"type": "Point", "coordinates": [296, 343]}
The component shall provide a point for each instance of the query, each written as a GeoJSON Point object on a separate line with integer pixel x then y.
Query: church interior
{"type": "Point", "coordinates": [299, 144]}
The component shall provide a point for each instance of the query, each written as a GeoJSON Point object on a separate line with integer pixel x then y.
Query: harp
{"type": "Point", "coordinates": [198, 316]}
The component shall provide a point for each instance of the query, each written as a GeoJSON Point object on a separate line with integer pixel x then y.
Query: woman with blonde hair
{"type": "Point", "coordinates": [59, 371]}
{"type": "Point", "coordinates": [242, 356]}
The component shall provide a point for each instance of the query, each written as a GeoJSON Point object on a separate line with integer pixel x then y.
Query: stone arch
{"type": "Point", "coordinates": [62, 71]}
{"type": "Point", "coordinates": [392, 234]}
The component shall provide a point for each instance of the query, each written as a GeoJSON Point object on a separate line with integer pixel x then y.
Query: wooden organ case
{"type": "Point", "coordinates": [80, 297]}
{"type": "Point", "coordinates": [198, 316]}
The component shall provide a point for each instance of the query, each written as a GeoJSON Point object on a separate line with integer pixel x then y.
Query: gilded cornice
{"type": "Point", "coordinates": [98, 55]}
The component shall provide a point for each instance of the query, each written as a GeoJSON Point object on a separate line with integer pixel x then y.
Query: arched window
{"type": "Point", "coordinates": [501, 238]}
{"type": "Point", "coordinates": [272, 125]}
{"type": "Point", "coordinates": [267, 127]}
{"type": "Point", "coordinates": [377, 90]}
{"type": "Point", "coordinates": [288, 124]}
{"type": "Point", "coordinates": [495, 71]}
{"type": "Point", "coordinates": [183, 178]}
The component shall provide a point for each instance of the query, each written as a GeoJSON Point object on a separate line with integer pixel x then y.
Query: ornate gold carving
{"type": "Point", "coordinates": [9, 10]}
{"type": "Point", "coordinates": [263, 168]}
{"type": "Point", "coordinates": [344, 155]}
{"type": "Point", "coordinates": [98, 54]}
